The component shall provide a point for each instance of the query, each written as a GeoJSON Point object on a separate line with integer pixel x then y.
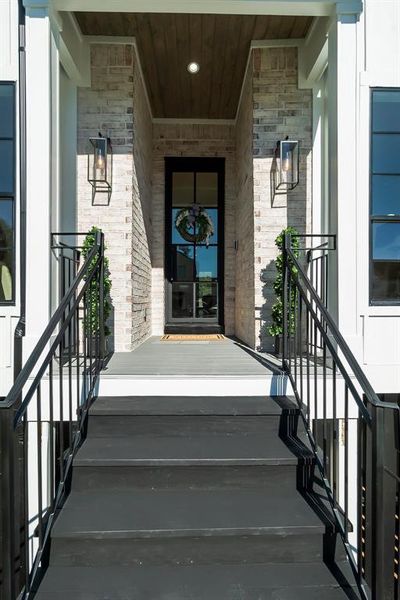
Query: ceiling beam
{"type": "Point", "coordinates": [249, 7]}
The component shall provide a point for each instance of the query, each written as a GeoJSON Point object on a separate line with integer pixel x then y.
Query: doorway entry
{"type": "Point", "coordinates": [194, 245]}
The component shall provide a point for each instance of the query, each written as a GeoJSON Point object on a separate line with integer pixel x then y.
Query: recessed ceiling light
{"type": "Point", "coordinates": [193, 67]}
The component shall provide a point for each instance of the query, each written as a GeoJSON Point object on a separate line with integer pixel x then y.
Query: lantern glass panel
{"type": "Point", "coordinates": [99, 160]}
{"type": "Point", "coordinates": [289, 163]}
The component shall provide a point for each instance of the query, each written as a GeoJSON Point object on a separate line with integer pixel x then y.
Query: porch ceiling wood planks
{"type": "Point", "coordinates": [219, 43]}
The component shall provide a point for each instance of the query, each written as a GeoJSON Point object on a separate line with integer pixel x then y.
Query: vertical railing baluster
{"type": "Point", "coordinates": [61, 409]}
{"type": "Point", "coordinates": [346, 461]}
{"type": "Point", "coordinates": [69, 330]}
{"type": "Point", "coordinates": [39, 464]}
{"type": "Point", "coordinates": [324, 414]}
{"type": "Point", "coordinates": [51, 434]}
{"type": "Point", "coordinates": [335, 444]}
{"type": "Point", "coordinates": [284, 300]}
{"type": "Point", "coordinates": [307, 348]}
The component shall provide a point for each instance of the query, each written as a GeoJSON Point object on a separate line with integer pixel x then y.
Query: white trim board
{"type": "Point", "coordinates": [318, 8]}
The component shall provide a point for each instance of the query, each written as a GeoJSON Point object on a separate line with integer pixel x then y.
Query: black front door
{"type": "Point", "coordinates": [194, 244]}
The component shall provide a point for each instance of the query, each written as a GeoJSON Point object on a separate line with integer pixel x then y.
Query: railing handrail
{"type": "Point", "coordinates": [22, 378]}
{"type": "Point", "coordinates": [334, 330]}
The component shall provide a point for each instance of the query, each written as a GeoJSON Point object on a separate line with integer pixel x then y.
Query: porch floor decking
{"type": "Point", "coordinates": [226, 358]}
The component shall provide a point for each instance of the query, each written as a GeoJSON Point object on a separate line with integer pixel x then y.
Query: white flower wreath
{"type": "Point", "coordinates": [187, 218]}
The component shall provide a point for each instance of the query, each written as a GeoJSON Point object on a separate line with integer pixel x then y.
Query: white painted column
{"type": "Point", "coordinates": [40, 165]}
{"type": "Point", "coordinates": [343, 105]}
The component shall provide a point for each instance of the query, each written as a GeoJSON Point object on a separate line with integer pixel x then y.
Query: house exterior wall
{"type": "Point", "coordinates": [272, 108]}
{"type": "Point", "coordinates": [372, 52]}
{"type": "Point", "coordinates": [9, 72]}
{"type": "Point", "coordinates": [193, 140]}
{"type": "Point", "coordinates": [280, 109]}
{"type": "Point", "coordinates": [244, 299]}
{"type": "Point", "coordinates": [114, 105]}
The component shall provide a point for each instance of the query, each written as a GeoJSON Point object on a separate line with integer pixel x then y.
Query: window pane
{"type": "Point", "coordinates": [386, 281]}
{"type": "Point", "coordinates": [6, 221]}
{"type": "Point", "coordinates": [183, 263]}
{"type": "Point", "coordinates": [202, 225]}
{"type": "Point", "coordinates": [386, 194]}
{"type": "Point", "coordinates": [6, 166]}
{"type": "Point", "coordinates": [207, 300]}
{"type": "Point", "coordinates": [206, 263]}
{"type": "Point", "coordinates": [182, 300]}
{"type": "Point", "coordinates": [6, 250]}
{"type": "Point", "coordinates": [386, 110]}
{"type": "Point", "coordinates": [386, 153]}
{"type": "Point", "coordinates": [207, 189]}
{"type": "Point", "coordinates": [182, 189]}
{"type": "Point", "coordinates": [6, 110]}
{"type": "Point", "coordinates": [185, 228]}
{"type": "Point", "coordinates": [386, 241]}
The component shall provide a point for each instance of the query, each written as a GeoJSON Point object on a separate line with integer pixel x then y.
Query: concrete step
{"type": "Point", "coordinates": [198, 460]}
{"type": "Point", "coordinates": [183, 416]}
{"type": "Point", "coordinates": [305, 581]}
{"type": "Point", "coordinates": [153, 526]}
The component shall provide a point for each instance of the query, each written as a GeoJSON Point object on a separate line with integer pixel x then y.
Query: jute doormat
{"type": "Point", "coordinates": [209, 337]}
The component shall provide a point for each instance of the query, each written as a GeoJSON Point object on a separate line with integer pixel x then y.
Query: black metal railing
{"type": "Point", "coordinates": [348, 427]}
{"type": "Point", "coordinates": [42, 421]}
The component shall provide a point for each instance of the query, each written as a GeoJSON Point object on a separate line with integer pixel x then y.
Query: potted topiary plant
{"type": "Point", "coordinates": [276, 328]}
{"type": "Point", "coordinates": [91, 321]}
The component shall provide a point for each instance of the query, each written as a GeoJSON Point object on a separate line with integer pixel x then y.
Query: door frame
{"type": "Point", "coordinates": [199, 164]}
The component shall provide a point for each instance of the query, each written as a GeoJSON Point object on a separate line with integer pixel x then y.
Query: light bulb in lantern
{"type": "Point", "coordinates": [286, 161]}
{"type": "Point", "coordinates": [100, 161]}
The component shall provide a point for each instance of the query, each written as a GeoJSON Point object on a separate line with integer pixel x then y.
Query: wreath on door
{"type": "Point", "coordinates": [194, 224]}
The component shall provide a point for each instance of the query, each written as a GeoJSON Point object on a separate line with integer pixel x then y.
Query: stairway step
{"type": "Point", "coordinates": [197, 460]}
{"type": "Point", "coordinates": [200, 449]}
{"type": "Point", "coordinates": [172, 525]}
{"type": "Point", "coordinates": [184, 416]}
{"type": "Point", "coordinates": [306, 581]}
{"type": "Point", "coordinates": [192, 405]}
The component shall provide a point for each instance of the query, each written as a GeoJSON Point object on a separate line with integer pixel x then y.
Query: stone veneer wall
{"type": "Point", "coordinates": [141, 213]}
{"type": "Point", "coordinates": [107, 106]}
{"type": "Point", "coordinates": [206, 140]}
{"type": "Point", "coordinates": [244, 299]}
{"type": "Point", "coordinates": [280, 109]}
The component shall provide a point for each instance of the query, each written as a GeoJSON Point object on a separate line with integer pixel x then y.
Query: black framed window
{"type": "Point", "coordinates": [7, 193]}
{"type": "Point", "coordinates": [385, 197]}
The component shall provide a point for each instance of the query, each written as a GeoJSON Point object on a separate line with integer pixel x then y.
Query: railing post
{"type": "Point", "coordinates": [8, 503]}
{"type": "Point", "coordinates": [101, 299]}
{"type": "Point", "coordinates": [383, 508]}
{"type": "Point", "coordinates": [285, 275]}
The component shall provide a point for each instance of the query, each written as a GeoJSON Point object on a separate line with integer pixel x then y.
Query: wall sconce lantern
{"type": "Point", "coordinates": [100, 166]}
{"type": "Point", "coordinates": [287, 165]}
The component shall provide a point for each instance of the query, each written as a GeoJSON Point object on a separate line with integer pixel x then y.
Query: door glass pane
{"type": "Point", "coordinates": [183, 227]}
{"type": "Point", "coordinates": [385, 281]}
{"type": "Point", "coordinates": [386, 110]}
{"type": "Point", "coordinates": [207, 218]}
{"type": "Point", "coordinates": [207, 300]}
{"type": "Point", "coordinates": [206, 263]}
{"type": "Point", "coordinates": [386, 153]}
{"type": "Point", "coordinates": [6, 166]}
{"type": "Point", "coordinates": [182, 263]}
{"type": "Point", "coordinates": [182, 300]}
{"type": "Point", "coordinates": [386, 194]}
{"type": "Point", "coordinates": [6, 111]}
{"type": "Point", "coordinates": [386, 241]}
{"type": "Point", "coordinates": [207, 189]}
{"type": "Point", "coordinates": [182, 189]}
